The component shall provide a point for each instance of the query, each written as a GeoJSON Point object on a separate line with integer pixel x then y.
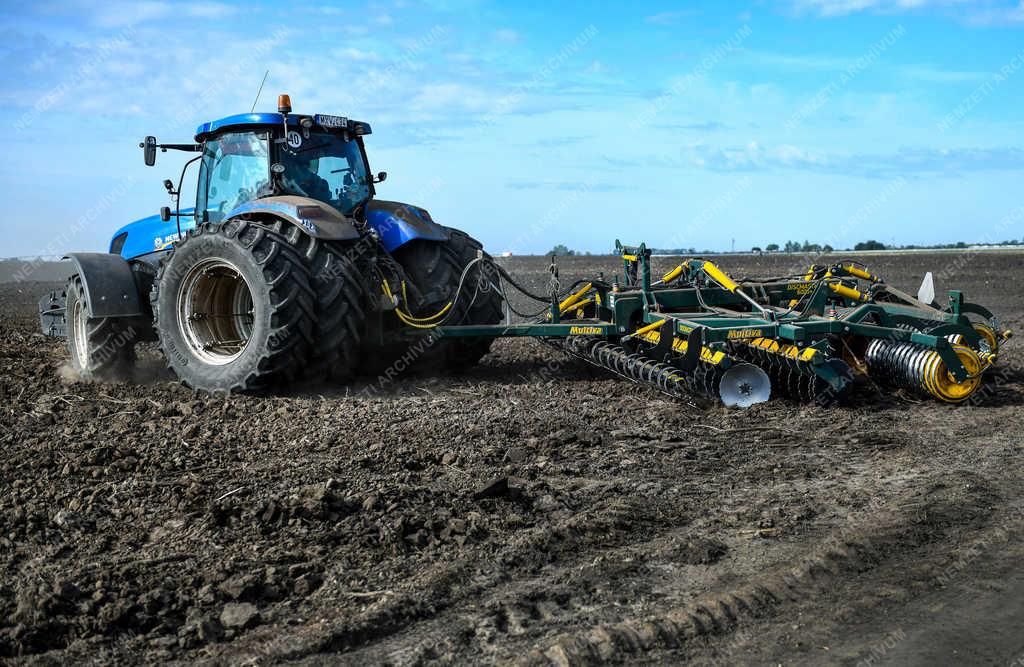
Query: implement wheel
{"type": "Point", "coordinates": [435, 269]}
{"type": "Point", "coordinates": [233, 308]}
{"type": "Point", "coordinates": [102, 348]}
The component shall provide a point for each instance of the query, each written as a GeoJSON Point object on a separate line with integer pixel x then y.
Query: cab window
{"type": "Point", "coordinates": [235, 169]}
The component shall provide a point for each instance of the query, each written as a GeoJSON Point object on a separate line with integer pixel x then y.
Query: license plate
{"type": "Point", "coordinates": [324, 120]}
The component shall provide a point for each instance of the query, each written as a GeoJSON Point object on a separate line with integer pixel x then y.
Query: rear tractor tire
{"type": "Point", "coordinates": [435, 269]}
{"type": "Point", "coordinates": [101, 348]}
{"type": "Point", "coordinates": [342, 299]}
{"type": "Point", "coordinates": [234, 309]}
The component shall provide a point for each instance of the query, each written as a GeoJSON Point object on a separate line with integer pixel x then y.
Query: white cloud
{"type": "Point", "coordinates": [811, 62]}
{"type": "Point", "coordinates": [507, 36]}
{"type": "Point", "coordinates": [999, 16]}
{"type": "Point", "coordinates": [207, 10]}
{"type": "Point", "coordinates": [907, 162]}
{"type": "Point", "coordinates": [356, 55]}
{"type": "Point", "coordinates": [449, 96]}
{"type": "Point", "coordinates": [843, 7]}
{"type": "Point", "coordinates": [120, 14]}
{"type": "Point", "coordinates": [933, 74]}
{"type": "Point", "coordinates": [668, 18]}
{"type": "Point", "coordinates": [973, 12]}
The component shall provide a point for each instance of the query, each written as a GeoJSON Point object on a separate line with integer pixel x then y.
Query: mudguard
{"type": "Point", "coordinates": [109, 283]}
{"type": "Point", "coordinates": [314, 217]}
{"type": "Point", "coordinates": [396, 223]}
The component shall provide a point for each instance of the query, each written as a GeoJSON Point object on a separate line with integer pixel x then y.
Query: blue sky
{"type": "Point", "coordinates": [535, 123]}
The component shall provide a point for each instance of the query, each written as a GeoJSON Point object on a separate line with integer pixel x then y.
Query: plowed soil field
{"type": "Point", "coordinates": [533, 510]}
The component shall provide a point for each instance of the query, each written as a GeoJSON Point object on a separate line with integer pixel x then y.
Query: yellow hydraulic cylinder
{"type": "Point", "coordinates": [649, 327]}
{"type": "Point", "coordinates": [848, 292]}
{"type": "Point", "coordinates": [719, 277]}
{"type": "Point", "coordinates": [860, 273]}
{"type": "Point", "coordinates": [573, 298]}
{"type": "Point", "coordinates": [672, 275]}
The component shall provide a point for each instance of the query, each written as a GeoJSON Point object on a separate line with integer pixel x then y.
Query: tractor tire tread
{"type": "Point", "coordinates": [110, 341]}
{"type": "Point", "coordinates": [293, 311]}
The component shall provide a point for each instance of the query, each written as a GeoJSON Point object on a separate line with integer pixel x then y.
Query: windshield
{"type": "Point", "coordinates": [235, 169]}
{"type": "Point", "coordinates": [325, 167]}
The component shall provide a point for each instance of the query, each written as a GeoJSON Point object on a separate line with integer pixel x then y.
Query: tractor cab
{"type": "Point", "coordinates": [310, 170]}
{"type": "Point", "coordinates": [250, 156]}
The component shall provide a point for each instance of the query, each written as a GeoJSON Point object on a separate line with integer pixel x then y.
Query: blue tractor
{"type": "Point", "coordinates": [287, 266]}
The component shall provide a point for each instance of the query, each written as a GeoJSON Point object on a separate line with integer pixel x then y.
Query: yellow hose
{"type": "Point", "coordinates": [418, 325]}
{"type": "Point", "coordinates": [412, 320]}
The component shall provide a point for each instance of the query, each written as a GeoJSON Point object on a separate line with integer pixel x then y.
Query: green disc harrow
{"type": "Point", "coordinates": [697, 332]}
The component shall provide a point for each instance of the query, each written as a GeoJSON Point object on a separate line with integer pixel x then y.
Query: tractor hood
{"type": "Point", "coordinates": [148, 235]}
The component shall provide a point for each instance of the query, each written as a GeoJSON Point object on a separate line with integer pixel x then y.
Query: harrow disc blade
{"type": "Point", "coordinates": [744, 385]}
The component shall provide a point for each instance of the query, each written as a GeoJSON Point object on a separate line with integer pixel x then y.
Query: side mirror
{"type": "Point", "coordinates": [165, 213]}
{"type": "Point", "coordinates": [148, 147]}
{"type": "Point", "coordinates": [381, 177]}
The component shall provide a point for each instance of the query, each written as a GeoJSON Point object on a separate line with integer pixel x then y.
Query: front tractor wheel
{"type": "Point", "coordinates": [101, 348]}
{"type": "Point", "coordinates": [233, 308]}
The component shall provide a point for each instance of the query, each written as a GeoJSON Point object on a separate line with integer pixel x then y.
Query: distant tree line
{"type": "Point", "coordinates": [561, 250]}
{"type": "Point", "coordinates": [793, 247]}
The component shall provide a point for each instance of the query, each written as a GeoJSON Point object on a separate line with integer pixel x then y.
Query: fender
{"type": "Point", "coordinates": [109, 283]}
{"type": "Point", "coordinates": [396, 223]}
{"type": "Point", "coordinates": [315, 218]}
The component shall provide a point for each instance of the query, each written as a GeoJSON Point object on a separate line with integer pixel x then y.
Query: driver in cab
{"type": "Point", "coordinates": [300, 177]}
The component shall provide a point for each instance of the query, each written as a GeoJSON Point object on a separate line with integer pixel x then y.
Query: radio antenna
{"type": "Point", "coordinates": [259, 91]}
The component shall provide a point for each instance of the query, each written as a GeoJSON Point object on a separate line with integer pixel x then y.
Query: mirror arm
{"type": "Point", "coordinates": [177, 200]}
{"type": "Point", "coordinates": [191, 148]}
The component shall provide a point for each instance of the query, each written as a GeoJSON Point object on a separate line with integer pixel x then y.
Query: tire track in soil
{"type": "Point", "coordinates": [513, 608]}
{"type": "Point", "coordinates": [608, 524]}
{"type": "Point", "coordinates": [910, 522]}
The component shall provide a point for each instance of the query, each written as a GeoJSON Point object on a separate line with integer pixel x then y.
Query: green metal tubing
{"type": "Point", "coordinates": [562, 330]}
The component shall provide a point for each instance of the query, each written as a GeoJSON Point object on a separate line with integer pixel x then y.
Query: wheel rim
{"type": "Point", "coordinates": [215, 311]}
{"type": "Point", "coordinates": [80, 346]}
